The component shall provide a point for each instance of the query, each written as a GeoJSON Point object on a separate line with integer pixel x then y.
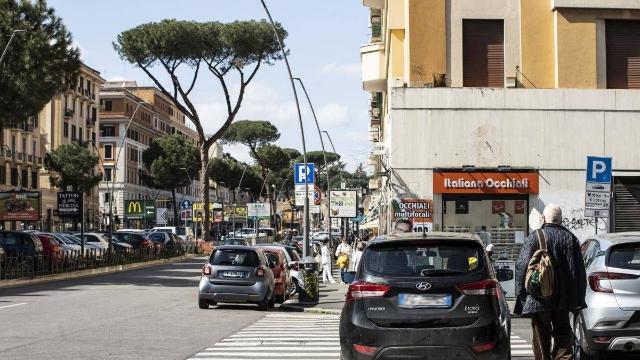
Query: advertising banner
{"type": "Point", "coordinates": [239, 213]}
{"type": "Point", "coordinates": [198, 214]}
{"type": "Point", "coordinates": [70, 204]}
{"type": "Point", "coordinates": [259, 211]}
{"type": "Point", "coordinates": [344, 204]}
{"type": "Point", "coordinates": [418, 211]}
{"type": "Point", "coordinates": [140, 209]}
{"type": "Point", "coordinates": [485, 183]}
{"type": "Point", "coordinates": [20, 206]}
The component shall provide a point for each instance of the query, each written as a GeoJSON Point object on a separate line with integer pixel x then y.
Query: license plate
{"type": "Point", "coordinates": [233, 274]}
{"type": "Point", "coordinates": [413, 301]}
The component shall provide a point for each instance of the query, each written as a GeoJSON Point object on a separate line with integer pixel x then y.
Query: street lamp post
{"type": "Point", "coordinates": [115, 168]}
{"type": "Point", "coordinates": [13, 34]}
{"type": "Point", "coordinates": [185, 218]}
{"type": "Point", "coordinates": [324, 154]}
{"type": "Point", "coordinates": [334, 151]}
{"type": "Point", "coordinates": [307, 247]}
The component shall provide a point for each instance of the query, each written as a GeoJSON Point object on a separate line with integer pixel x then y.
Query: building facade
{"type": "Point", "coordinates": [482, 111]}
{"type": "Point", "coordinates": [122, 143]}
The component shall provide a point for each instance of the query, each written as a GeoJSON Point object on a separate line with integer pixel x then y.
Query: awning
{"type": "Point", "coordinates": [373, 224]}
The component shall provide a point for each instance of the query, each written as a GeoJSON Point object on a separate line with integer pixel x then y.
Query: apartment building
{"type": "Point", "coordinates": [152, 115]}
{"type": "Point", "coordinates": [484, 110]}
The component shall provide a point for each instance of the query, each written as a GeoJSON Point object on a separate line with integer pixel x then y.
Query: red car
{"type": "Point", "coordinates": [51, 248]}
{"type": "Point", "coordinates": [281, 275]}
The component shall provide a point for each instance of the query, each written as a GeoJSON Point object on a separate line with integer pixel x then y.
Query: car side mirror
{"type": "Point", "coordinates": [272, 265]}
{"type": "Point", "coordinates": [348, 277]}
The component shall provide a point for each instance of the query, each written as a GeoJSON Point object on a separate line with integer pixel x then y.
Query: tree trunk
{"type": "Point", "coordinates": [175, 208]}
{"type": "Point", "coordinates": [204, 186]}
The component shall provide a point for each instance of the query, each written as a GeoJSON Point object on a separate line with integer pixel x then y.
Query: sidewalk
{"type": "Point", "coordinates": [331, 300]}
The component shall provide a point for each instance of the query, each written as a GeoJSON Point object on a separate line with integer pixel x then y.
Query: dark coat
{"type": "Point", "coordinates": [571, 280]}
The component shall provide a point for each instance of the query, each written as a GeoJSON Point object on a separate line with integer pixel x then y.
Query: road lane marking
{"type": "Point", "coordinates": [12, 305]}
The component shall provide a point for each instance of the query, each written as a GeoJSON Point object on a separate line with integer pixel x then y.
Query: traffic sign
{"type": "Point", "coordinates": [186, 204]}
{"type": "Point", "coordinates": [317, 196]}
{"type": "Point", "coordinates": [259, 211]}
{"type": "Point", "coordinates": [597, 199]}
{"type": "Point", "coordinates": [300, 174]}
{"type": "Point", "coordinates": [599, 169]}
{"type": "Point", "coordinates": [300, 194]}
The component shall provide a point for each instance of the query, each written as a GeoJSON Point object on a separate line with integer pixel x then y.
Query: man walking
{"type": "Point", "coordinates": [550, 316]}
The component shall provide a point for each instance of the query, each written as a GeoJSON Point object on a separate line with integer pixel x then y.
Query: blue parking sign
{"type": "Point", "coordinates": [599, 169]}
{"type": "Point", "coordinates": [300, 173]}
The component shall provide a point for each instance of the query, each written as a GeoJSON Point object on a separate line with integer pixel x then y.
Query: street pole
{"type": "Point", "coordinates": [13, 34]}
{"type": "Point", "coordinates": [113, 175]}
{"type": "Point", "coordinates": [324, 154]}
{"type": "Point", "coordinates": [341, 179]}
{"type": "Point", "coordinates": [307, 248]}
{"type": "Point", "coordinates": [235, 193]}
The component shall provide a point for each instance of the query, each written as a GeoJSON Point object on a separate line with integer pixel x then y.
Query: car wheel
{"type": "Point", "coordinates": [581, 349]}
{"type": "Point", "coordinates": [293, 287]}
{"type": "Point", "coordinates": [263, 305]}
{"type": "Point", "coordinates": [203, 304]}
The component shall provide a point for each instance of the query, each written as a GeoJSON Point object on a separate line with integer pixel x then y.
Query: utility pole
{"type": "Point", "coordinates": [307, 251]}
{"type": "Point", "coordinates": [13, 34]}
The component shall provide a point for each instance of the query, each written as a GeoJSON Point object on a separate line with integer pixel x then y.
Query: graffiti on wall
{"type": "Point", "coordinates": [574, 220]}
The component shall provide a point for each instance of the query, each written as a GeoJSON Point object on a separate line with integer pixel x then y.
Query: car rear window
{"type": "Point", "coordinates": [293, 254]}
{"type": "Point", "coordinates": [273, 258]}
{"type": "Point", "coordinates": [416, 260]}
{"type": "Point", "coordinates": [233, 257]}
{"type": "Point", "coordinates": [625, 257]}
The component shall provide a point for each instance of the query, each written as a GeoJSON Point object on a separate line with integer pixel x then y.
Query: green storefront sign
{"type": "Point", "coordinates": [140, 209]}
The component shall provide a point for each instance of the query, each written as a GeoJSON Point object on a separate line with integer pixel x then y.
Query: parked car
{"type": "Point", "coordinates": [432, 293]}
{"type": "Point", "coordinates": [237, 274]}
{"type": "Point", "coordinates": [76, 240]}
{"type": "Point", "coordinates": [185, 233]}
{"type": "Point", "coordinates": [293, 260]}
{"type": "Point", "coordinates": [50, 247]}
{"type": "Point", "coordinates": [136, 240]}
{"type": "Point", "coordinates": [166, 240]}
{"type": "Point", "coordinates": [234, 241]}
{"type": "Point", "coordinates": [67, 245]}
{"type": "Point", "coordinates": [611, 322]}
{"type": "Point", "coordinates": [278, 255]}
{"type": "Point", "coordinates": [17, 243]}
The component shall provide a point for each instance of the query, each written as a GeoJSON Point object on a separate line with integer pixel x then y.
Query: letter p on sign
{"type": "Point", "coordinates": [599, 169]}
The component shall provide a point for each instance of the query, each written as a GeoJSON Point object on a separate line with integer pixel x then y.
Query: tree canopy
{"type": "Point", "coordinates": [252, 134]}
{"type": "Point", "coordinates": [73, 165]}
{"type": "Point", "coordinates": [40, 62]}
{"type": "Point", "coordinates": [178, 50]}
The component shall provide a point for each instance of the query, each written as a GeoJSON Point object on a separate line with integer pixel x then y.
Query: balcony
{"type": "Point", "coordinates": [596, 4]}
{"type": "Point", "coordinates": [376, 28]}
{"type": "Point", "coordinates": [373, 60]}
{"type": "Point", "coordinates": [376, 4]}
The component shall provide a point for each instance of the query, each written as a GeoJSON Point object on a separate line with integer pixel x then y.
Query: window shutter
{"type": "Point", "coordinates": [483, 53]}
{"type": "Point", "coordinates": [623, 54]}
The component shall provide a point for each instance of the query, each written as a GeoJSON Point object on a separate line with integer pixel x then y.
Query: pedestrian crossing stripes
{"type": "Point", "coordinates": [298, 336]}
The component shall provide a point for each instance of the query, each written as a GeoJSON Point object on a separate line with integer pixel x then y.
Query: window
{"type": "Point", "coordinates": [622, 39]}
{"type": "Point", "coordinates": [65, 130]}
{"type": "Point", "coordinates": [3, 174]}
{"type": "Point", "coordinates": [106, 197]}
{"type": "Point", "coordinates": [14, 177]}
{"type": "Point", "coordinates": [483, 53]}
{"type": "Point", "coordinates": [107, 130]}
{"type": "Point", "coordinates": [34, 179]}
{"type": "Point", "coordinates": [25, 178]}
{"type": "Point", "coordinates": [73, 132]}
{"type": "Point", "coordinates": [625, 256]}
{"type": "Point", "coordinates": [108, 151]}
{"type": "Point", "coordinates": [133, 154]}
{"type": "Point", "coordinates": [33, 148]}
{"type": "Point", "coordinates": [93, 137]}
{"type": "Point", "coordinates": [107, 174]}
{"type": "Point", "coordinates": [80, 134]}
{"type": "Point", "coordinates": [108, 105]}
{"type": "Point", "coordinates": [235, 258]}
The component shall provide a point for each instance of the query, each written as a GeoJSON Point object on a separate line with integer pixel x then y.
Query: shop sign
{"type": "Point", "coordinates": [485, 183]}
{"type": "Point", "coordinates": [198, 213]}
{"type": "Point", "coordinates": [344, 204]}
{"type": "Point", "coordinates": [70, 204]}
{"type": "Point", "coordinates": [20, 206]}
{"type": "Point", "coordinates": [140, 209]}
{"type": "Point", "coordinates": [418, 211]}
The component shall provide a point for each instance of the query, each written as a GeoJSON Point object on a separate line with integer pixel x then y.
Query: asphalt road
{"type": "Point", "coordinates": [141, 314]}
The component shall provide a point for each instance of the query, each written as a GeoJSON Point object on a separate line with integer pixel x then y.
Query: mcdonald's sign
{"type": "Point", "coordinates": [140, 209]}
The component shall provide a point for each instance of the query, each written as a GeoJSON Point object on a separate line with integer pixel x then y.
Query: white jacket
{"type": "Point", "coordinates": [343, 248]}
{"type": "Point", "coordinates": [326, 255]}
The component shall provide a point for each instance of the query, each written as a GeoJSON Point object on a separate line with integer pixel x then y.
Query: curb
{"type": "Point", "coordinates": [92, 272]}
{"type": "Point", "coordinates": [312, 310]}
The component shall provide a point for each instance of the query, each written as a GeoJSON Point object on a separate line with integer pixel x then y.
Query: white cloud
{"type": "Point", "coordinates": [333, 114]}
{"type": "Point", "coordinates": [117, 78]}
{"type": "Point", "coordinates": [341, 69]}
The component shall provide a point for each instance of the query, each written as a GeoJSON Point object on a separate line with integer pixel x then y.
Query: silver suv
{"type": "Point", "coordinates": [611, 322]}
{"type": "Point", "coordinates": [237, 274]}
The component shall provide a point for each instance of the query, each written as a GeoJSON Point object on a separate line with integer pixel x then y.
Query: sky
{"type": "Point", "coordinates": [324, 41]}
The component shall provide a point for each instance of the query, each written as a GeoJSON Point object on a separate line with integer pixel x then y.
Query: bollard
{"type": "Point", "coordinates": [309, 289]}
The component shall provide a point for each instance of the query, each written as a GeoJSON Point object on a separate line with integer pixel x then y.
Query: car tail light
{"type": "Point", "coordinates": [482, 287]}
{"type": "Point", "coordinates": [484, 347]}
{"type": "Point", "coordinates": [601, 339]}
{"type": "Point", "coordinates": [206, 269]}
{"type": "Point", "coordinates": [595, 280]}
{"type": "Point", "coordinates": [260, 272]}
{"type": "Point", "coordinates": [365, 350]}
{"type": "Point", "coordinates": [361, 290]}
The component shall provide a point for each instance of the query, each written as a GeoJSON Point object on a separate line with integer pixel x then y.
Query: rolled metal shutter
{"type": "Point", "coordinates": [623, 54]}
{"type": "Point", "coordinates": [626, 192]}
{"type": "Point", "coordinates": [483, 53]}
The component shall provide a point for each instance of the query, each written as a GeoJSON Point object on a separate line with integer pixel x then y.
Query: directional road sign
{"type": "Point", "coordinates": [186, 204]}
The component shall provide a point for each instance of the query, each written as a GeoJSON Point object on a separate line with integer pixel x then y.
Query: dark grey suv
{"type": "Point", "coordinates": [431, 296]}
{"type": "Point", "coordinates": [237, 274]}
